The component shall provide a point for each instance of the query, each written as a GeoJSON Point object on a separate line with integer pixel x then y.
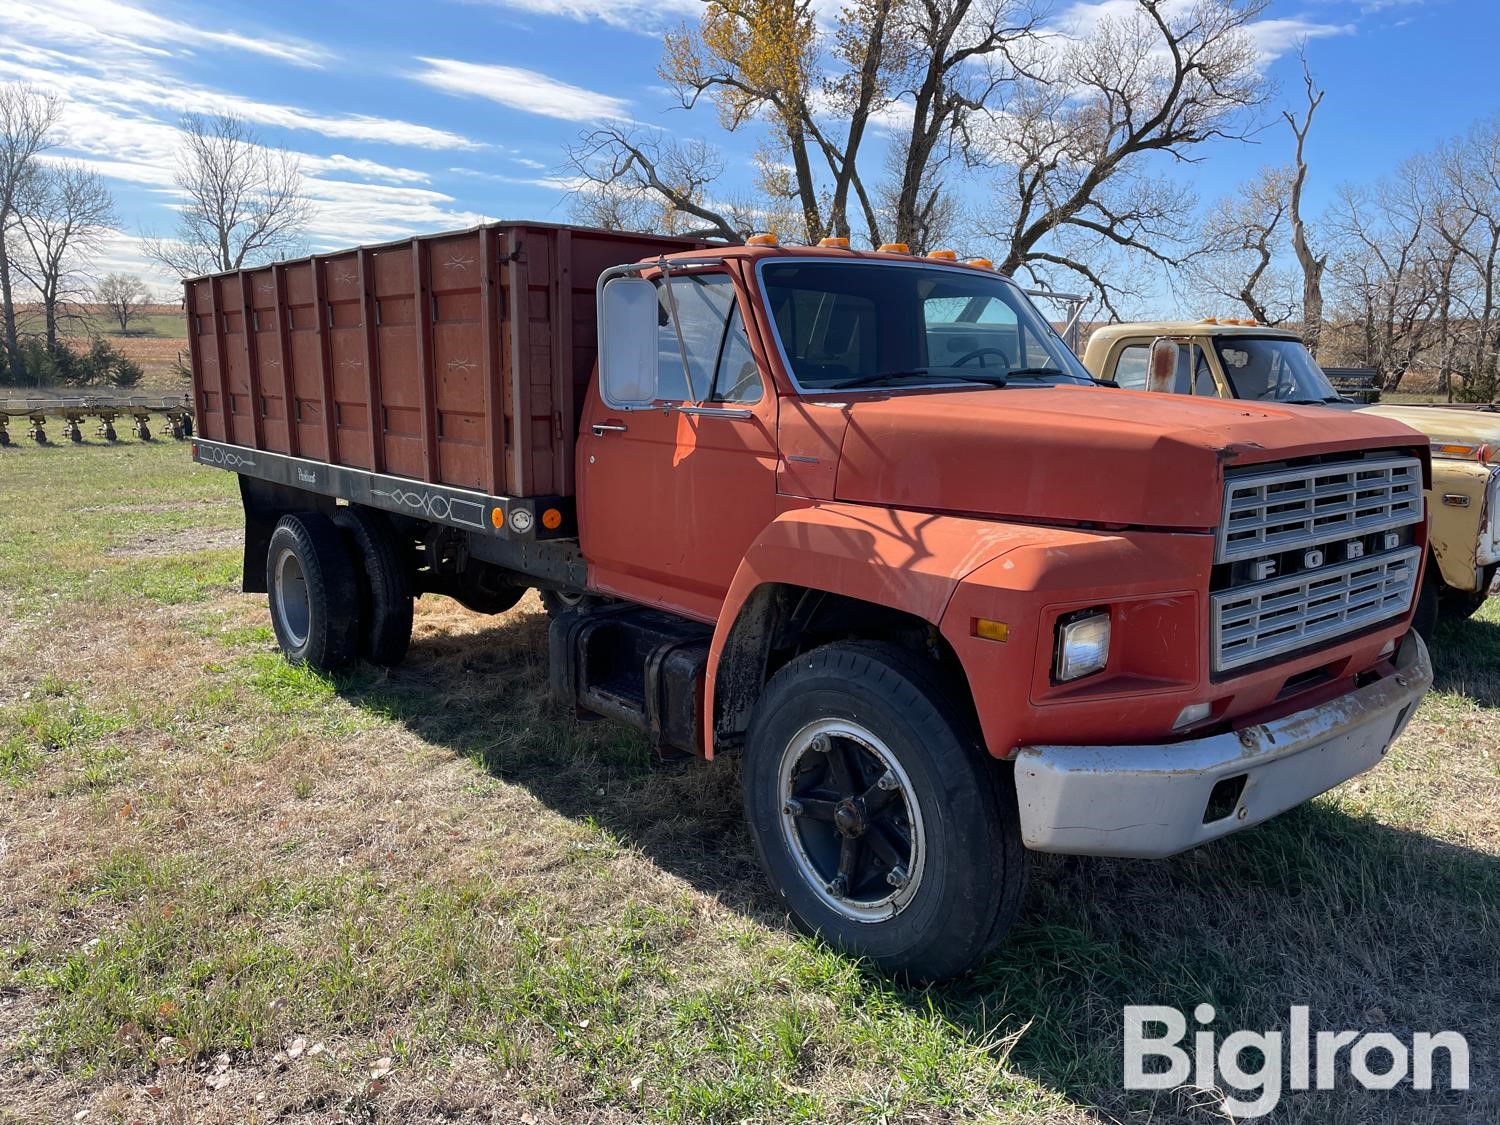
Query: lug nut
{"type": "Point", "coordinates": [839, 888]}
{"type": "Point", "coordinates": [821, 744]}
{"type": "Point", "coordinates": [898, 877]}
{"type": "Point", "coordinates": [793, 807]}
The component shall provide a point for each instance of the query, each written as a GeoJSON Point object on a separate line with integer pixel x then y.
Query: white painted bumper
{"type": "Point", "coordinates": [1150, 801]}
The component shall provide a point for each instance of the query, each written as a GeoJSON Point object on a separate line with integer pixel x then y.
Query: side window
{"type": "Point", "coordinates": [719, 365]}
{"type": "Point", "coordinates": [703, 305]}
{"type": "Point", "coordinates": [1203, 376]}
{"type": "Point", "coordinates": [1132, 366]}
{"type": "Point", "coordinates": [737, 378]}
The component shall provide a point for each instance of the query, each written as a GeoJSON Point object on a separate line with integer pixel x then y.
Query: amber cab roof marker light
{"type": "Point", "coordinates": [894, 248]}
{"type": "Point", "coordinates": [943, 255]}
{"type": "Point", "coordinates": [980, 263]}
{"type": "Point", "coordinates": [762, 240]}
{"type": "Point", "coordinates": [834, 243]}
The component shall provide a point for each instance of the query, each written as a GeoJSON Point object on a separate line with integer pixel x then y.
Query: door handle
{"type": "Point", "coordinates": [602, 428]}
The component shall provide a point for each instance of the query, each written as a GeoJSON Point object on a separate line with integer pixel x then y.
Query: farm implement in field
{"type": "Point", "coordinates": [71, 413]}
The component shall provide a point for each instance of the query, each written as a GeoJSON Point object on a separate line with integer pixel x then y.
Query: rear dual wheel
{"type": "Point", "coordinates": [877, 815]}
{"type": "Point", "coordinates": [336, 590]}
{"type": "Point", "coordinates": [313, 593]}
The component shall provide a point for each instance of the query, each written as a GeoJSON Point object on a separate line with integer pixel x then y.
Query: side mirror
{"type": "Point", "coordinates": [1162, 376]}
{"type": "Point", "coordinates": [627, 341]}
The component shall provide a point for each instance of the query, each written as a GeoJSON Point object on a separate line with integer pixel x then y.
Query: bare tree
{"type": "Point", "coordinates": [65, 212]}
{"type": "Point", "coordinates": [244, 202]}
{"type": "Point", "coordinates": [923, 68]}
{"type": "Point", "coordinates": [1240, 240]}
{"type": "Point", "coordinates": [956, 57]}
{"type": "Point", "coordinates": [1076, 139]}
{"type": "Point", "coordinates": [1384, 269]}
{"type": "Point", "coordinates": [123, 295]}
{"type": "Point", "coordinates": [640, 180]}
{"type": "Point", "coordinates": [1463, 179]}
{"type": "Point", "coordinates": [27, 116]}
{"type": "Point", "coordinates": [1312, 263]}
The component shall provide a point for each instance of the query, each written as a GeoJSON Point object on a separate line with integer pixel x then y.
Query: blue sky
{"type": "Point", "coordinates": [425, 116]}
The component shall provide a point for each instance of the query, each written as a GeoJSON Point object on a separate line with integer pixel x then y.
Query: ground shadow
{"type": "Point", "coordinates": [1371, 927]}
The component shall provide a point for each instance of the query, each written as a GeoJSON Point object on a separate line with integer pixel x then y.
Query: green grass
{"type": "Point", "coordinates": [206, 854]}
{"type": "Point", "coordinates": [65, 509]}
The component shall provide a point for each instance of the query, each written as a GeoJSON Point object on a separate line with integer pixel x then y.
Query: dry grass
{"type": "Point", "coordinates": [211, 864]}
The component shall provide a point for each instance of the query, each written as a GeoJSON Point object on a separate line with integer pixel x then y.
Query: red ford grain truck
{"type": "Point", "coordinates": [860, 515]}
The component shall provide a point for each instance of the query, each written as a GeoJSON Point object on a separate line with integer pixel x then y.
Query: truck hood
{"type": "Point", "coordinates": [1444, 424]}
{"type": "Point", "coordinates": [1080, 454]}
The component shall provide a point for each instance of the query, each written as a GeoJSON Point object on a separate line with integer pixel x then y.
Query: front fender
{"type": "Point", "coordinates": [908, 561]}
{"type": "Point", "coordinates": [1456, 504]}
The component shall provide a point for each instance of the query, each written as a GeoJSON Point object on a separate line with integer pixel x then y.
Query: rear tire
{"type": "Point", "coordinates": [313, 593]}
{"type": "Point", "coordinates": [557, 602]}
{"type": "Point", "coordinates": [384, 591]}
{"type": "Point", "coordinates": [877, 815]}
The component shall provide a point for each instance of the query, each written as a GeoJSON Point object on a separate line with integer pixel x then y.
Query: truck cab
{"type": "Point", "coordinates": [1243, 360]}
{"type": "Point", "coordinates": [860, 517]}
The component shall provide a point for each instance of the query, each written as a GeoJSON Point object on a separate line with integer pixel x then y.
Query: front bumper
{"type": "Point", "coordinates": [1152, 801]}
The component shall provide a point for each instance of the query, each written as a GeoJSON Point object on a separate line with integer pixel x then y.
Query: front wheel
{"type": "Point", "coordinates": [877, 816]}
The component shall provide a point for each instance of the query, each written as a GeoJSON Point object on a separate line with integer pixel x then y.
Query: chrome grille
{"type": "Point", "coordinates": [1287, 509]}
{"type": "Point", "coordinates": [1253, 623]}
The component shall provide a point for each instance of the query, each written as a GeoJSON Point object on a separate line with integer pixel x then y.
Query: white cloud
{"type": "Point", "coordinates": [1271, 37]}
{"type": "Point", "coordinates": [120, 83]}
{"type": "Point", "coordinates": [114, 26]}
{"type": "Point", "coordinates": [645, 16]}
{"type": "Point", "coordinates": [366, 169]}
{"type": "Point", "coordinates": [513, 86]}
{"type": "Point", "coordinates": [1274, 38]}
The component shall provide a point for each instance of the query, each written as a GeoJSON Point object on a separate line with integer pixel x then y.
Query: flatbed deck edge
{"type": "Point", "coordinates": [503, 517]}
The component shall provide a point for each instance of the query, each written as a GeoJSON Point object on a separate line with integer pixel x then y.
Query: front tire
{"type": "Point", "coordinates": [313, 593]}
{"type": "Point", "coordinates": [877, 815]}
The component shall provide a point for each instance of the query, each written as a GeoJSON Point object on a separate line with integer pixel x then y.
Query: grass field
{"type": "Point", "coordinates": [234, 891]}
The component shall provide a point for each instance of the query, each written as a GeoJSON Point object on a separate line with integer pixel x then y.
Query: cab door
{"type": "Point", "coordinates": [672, 493]}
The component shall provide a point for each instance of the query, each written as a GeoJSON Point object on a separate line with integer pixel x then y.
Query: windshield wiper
{"type": "Point", "coordinates": [886, 378]}
{"type": "Point", "coordinates": [1034, 372]}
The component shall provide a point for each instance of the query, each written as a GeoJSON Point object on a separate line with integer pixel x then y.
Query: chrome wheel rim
{"type": "Point", "coordinates": [851, 821]}
{"type": "Point", "coordinates": [292, 604]}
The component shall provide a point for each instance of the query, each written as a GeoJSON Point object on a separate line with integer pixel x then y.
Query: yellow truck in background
{"type": "Point", "coordinates": [1245, 360]}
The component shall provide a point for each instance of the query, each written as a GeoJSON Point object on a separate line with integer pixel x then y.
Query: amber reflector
{"type": "Point", "coordinates": [991, 630]}
{"type": "Point", "coordinates": [551, 519]}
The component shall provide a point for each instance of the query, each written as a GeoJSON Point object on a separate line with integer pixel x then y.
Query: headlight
{"type": "Point", "coordinates": [1082, 644]}
{"type": "Point", "coordinates": [1489, 530]}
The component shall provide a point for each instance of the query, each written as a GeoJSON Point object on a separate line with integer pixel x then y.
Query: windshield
{"type": "Point", "coordinates": [851, 325]}
{"type": "Point", "coordinates": [1271, 368]}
